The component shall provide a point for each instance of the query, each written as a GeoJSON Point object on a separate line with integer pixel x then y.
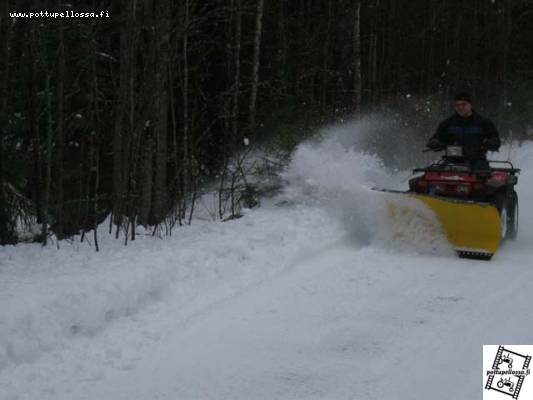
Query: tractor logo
{"type": "Point", "coordinates": [506, 382]}
{"type": "Point", "coordinates": [508, 373]}
{"type": "Point", "coordinates": [506, 359]}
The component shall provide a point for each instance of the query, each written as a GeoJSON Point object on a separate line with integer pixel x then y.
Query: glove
{"type": "Point", "coordinates": [492, 143]}
{"type": "Point", "coordinates": [435, 145]}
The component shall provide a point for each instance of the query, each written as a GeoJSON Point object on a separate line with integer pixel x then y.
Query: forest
{"type": "Point", "coordinates": [134, 108]}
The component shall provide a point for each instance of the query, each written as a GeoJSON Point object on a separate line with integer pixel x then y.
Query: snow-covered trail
{"type": "Point", "coordinates": [346, 323]}
{"type": "Point", "coordinates": [306, 297]}
{"type": "Point", "coordinates": [334, 329]}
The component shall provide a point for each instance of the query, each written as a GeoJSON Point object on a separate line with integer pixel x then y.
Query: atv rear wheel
{"type": "Point", "coordinates": [507, 204]}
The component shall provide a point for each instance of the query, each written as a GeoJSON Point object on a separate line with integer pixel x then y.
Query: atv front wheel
{"type": "Point", "coordinates": [512, 222]}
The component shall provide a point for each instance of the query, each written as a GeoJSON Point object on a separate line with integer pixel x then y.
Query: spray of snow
{"type": "Point", "coordinates": [339, 170]}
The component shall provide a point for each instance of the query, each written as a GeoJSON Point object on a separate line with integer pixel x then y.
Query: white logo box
{"type": "Point", "coordinates": [507, 373]}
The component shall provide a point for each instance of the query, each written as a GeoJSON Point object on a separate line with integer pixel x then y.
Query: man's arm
{"type": "Point", "coordinates": [492, 140]}
{"type": "Point", "coordinates": [436, 142]}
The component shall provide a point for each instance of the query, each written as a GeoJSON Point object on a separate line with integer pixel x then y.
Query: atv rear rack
{"type": "Point", "coordinates": [462, 168]}
{"type": "Point", "coordinates": [511, 170]}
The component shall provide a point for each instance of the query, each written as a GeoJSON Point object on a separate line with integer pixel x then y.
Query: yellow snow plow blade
{"type": "Point", "coordinates": [473, 229]}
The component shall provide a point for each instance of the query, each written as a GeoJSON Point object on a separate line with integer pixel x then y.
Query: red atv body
{"type": "Point", "coordinates": [453, 177]}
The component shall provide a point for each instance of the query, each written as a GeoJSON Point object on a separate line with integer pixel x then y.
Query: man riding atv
{"type": "Point", "coordinates": [466, 128]}
{"type": "Point", "coordinates": [474, 201]}
{"type": "Point", "coordinates": [469, 199]}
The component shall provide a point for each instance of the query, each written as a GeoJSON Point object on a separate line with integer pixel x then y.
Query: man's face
{"type": "Point", "coordinates": [463, 108]}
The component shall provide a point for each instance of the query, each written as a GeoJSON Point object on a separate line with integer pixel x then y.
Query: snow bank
{"type": "Point", "coordinates": [50, 297]}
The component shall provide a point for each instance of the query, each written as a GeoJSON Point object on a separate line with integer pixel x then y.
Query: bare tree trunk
{"type": "Point", "coordinates": [49, 133]}
{"type": "Point", "coordinates": [33, 109]}
{"type": "Point", "coordinates": [95, 200]}
{"type": "Point", "coordinates": [146, 179]}
{"type": "Point", "coordinates": [221, 191]}
{"type": "Point", "coordinates": [87, 188]}
{"type": "Point", "coordinates": [475, 70]}
{"type": "Point", "coordinates": [149, 102]}
{"type": "Point", "coordinates": [187, 173]}
{"type": "Point", "coordinates": [506, 25]}
{"type": "Point", "coordinates": [393, 43]}
{"type": "Point", "coordinates": [237, 63]}
{"type": "Point", "coordinates": [458, 58]}
{"type": "Point", "coordinates": [131, 143]}
{"type": "Point", "coordinates": [81, 186]}
{"type": "Point", "coordinates": [176, 161]}
{"type": "Point", "coordinates": [5, 30]}
{"type": "Point", "coordinates": [119, 172]}
{"type": "Point", "coordinates": [357, 84]}
{"type": "Point", "coordinates": [160, 201]}
{"type": "Point", "coordinates": [97, 133]}
{"type": "Point", "coordinates": [430, 62]}
{"type": "Point", "coordinates": [325, 57]}
{"type": "Point", "coordinates": [372, 68]}
{"type": "Point", "coordinates": [372, 55]}
{"type": "Point", "coordinates": [282, 50]}
{"type": "Point", "coordinates": [255, 63]}
{"type": "Point", "coordinates": [60, 131]}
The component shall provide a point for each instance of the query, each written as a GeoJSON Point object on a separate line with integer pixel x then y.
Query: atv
{"type": "Point", "coordinates": [476, 205]}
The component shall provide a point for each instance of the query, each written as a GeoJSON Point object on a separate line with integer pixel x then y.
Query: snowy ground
{"type": "Point", "coordinates": [306, 297]}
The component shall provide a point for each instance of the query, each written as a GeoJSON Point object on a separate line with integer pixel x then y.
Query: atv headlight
{"type": "Point", "coordinates": [463, 188]}
{"type": "Point", "coordinates": [438, 188]}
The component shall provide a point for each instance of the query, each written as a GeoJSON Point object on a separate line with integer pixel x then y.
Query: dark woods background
{"type": "Point", "coordinates": [132, 114]}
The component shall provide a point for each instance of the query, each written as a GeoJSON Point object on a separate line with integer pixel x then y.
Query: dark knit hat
{"type": "Point", "coordinates": [463, 96]}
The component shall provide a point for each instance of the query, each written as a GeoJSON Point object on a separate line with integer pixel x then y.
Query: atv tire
{"type": "Point", "coordinates": [513, 222]}
{"type": "Point", "coordinates": [506, 201]}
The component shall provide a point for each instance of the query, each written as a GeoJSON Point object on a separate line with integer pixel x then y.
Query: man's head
{"type": "Point", "coordinates": [462, 102]}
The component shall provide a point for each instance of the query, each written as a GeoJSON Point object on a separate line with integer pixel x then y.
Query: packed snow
{"type": "Point", "coordinates": [308, 296]}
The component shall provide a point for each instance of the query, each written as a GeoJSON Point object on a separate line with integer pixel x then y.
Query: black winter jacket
{"type": "Point", "coordinates": [476, 134]}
